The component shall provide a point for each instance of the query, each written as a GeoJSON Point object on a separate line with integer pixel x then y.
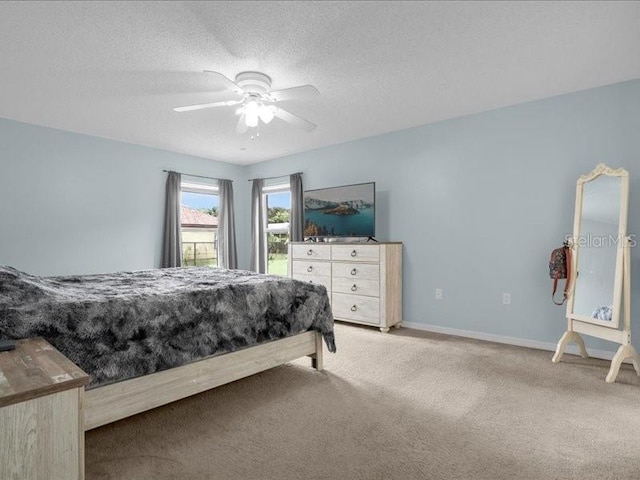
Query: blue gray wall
{"type": "Point", "coordinates": [73, 203]}
{"type": "Point", "coordinates": [481, 201]}
{"type": "Point", "coordinates": [478, 201]}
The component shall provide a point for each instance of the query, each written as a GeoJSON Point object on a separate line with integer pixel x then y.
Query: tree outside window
{"type": "Point", "coordinates": [278, 206]}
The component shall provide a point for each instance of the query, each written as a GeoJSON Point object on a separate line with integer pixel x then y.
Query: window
{"type": "Point", "coordinates": [199, 227]}
{"type": "Point", "coordinates": [277, 202]}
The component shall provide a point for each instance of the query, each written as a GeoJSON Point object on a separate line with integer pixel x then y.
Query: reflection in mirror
{"type": "Point", "coordinates": [597, 248]}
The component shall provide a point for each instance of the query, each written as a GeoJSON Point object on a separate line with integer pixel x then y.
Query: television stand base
{"type": "Point", "coordinates": [371, 239]}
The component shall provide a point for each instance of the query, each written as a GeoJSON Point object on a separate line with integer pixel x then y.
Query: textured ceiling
{"type": "Point", "coordinates": [116, 69]}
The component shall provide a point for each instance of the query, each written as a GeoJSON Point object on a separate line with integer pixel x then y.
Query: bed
{"type": "Point", "coordinates": [151, 337]}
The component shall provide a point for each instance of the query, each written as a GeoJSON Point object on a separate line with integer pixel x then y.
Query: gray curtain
{"type": "Point", "coordinates": [227, 253]}
{"type": "Point", "coordinates": [258, 236]}
{"type": "Point", "coordinates": [172, 238]}
{"type": "Point", "coordinates": [296, 225]}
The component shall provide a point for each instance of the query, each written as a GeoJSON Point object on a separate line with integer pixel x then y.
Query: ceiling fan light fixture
{"type": "Point", "coordinates": [267, 112]}
{"type": "Point", "coordinates": [251, 107]}
{"type": "Point", "coordinates": [251, 112]}
{"type": "Point", "coordinates": [252, 121]}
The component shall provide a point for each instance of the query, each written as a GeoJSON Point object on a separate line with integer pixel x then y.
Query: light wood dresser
{"type": "Point", "coordinates": [364, 280]}
{"type": "Point", "coordinates": [41, 423]}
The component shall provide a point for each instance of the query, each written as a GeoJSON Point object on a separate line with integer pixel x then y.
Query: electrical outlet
{"type": "Point", "coordinates": [506, 299]}
{"type": "Point", "coordinates": [438, 294]}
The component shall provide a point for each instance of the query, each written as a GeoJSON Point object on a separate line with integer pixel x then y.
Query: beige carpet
{"type": "Point", "coordinates": [407, 405]}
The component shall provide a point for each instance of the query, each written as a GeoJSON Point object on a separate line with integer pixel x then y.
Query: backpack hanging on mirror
{"type": "Point", "coordinates": [560, 268]}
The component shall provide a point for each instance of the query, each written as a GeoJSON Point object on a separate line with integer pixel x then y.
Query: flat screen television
{"type": "Point", "coordinates": [346, 211]}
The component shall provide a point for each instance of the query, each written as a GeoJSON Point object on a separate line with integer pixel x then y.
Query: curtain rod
{"type": "Point", "coordinates": [271, 178]}
{"type": "Point", "coordinates": [197, 176]}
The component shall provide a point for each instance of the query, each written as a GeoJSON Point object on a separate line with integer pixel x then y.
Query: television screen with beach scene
{"type": "Point", "coordinates": [346, 211]}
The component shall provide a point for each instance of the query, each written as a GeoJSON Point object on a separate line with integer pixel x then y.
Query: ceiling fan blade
{"type": "Point", "coordinates": [303, 92]}
{"type": "Point", "coordinates": [230, 84]}
{"type": "Point", "coordinates": [294, 119]}
{"type": "Point", "coordinates": [201, 106]}
{"type": "Point", "coordinates": [241, 127]}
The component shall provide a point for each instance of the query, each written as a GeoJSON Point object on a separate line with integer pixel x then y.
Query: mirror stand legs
{"type": "Point", "coordinates": [569, 336]}
{"type": "Point", "coordinates": [624, 352]}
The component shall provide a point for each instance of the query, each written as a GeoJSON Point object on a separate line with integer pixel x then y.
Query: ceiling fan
{"type": "Point", "coordinates": [257, 101]}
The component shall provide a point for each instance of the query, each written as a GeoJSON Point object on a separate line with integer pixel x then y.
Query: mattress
{"type": "Point", "coordinates": [123, 325]}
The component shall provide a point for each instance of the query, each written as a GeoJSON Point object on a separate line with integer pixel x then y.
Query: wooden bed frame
{"type": "Point", "coordinates": [114, 402]}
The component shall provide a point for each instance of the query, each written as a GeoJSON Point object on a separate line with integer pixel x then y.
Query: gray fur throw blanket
{"type": "Point", "coordinates": [123, 325]}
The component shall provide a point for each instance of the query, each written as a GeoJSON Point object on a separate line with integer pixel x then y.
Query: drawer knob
{"type": "Point", "coordinates": [353, 272]}
{"type": "Point", "coordinates": [354, 288]}
{"type": "Point", "coordinates": [310, 252]}
{"type": "Point", "coordinates": [354, 253]}
{"type": "Point", "coordinates": [354, 308]}
{"type": "Point", "coordinates": [309, 268]}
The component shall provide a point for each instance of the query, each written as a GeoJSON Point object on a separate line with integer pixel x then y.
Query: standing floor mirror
{"type": "Point", "coordinates": [599, 302]}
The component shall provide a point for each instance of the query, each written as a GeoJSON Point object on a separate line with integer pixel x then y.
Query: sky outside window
{"type": "Point", "coordinates": [279, 200]}
{"type": "Point", "coordinates": [199, 200]}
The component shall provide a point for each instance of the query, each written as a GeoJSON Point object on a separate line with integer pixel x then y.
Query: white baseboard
{"type": "Point", "coordinates": [520, 342]}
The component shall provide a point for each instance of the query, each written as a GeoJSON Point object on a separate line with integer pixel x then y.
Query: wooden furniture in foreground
{"type": "Point", "coordinates": [364, 281]}
{"type": "Point", "coordinates": [601, 271]}
{"type": "Point", "coordinates": [113, 402]}
{"type": "Point", "coordinates": [44, 409]}
{"type": "Point", "coordinates": [41, 424]}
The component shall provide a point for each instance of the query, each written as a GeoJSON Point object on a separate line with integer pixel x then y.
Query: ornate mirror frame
{"type": "Point", "coordinates": [581, 324]}
{"type": "Point", "coordinates": [601, 170]}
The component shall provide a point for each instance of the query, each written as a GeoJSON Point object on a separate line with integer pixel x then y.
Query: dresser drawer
{"type": "Point", "coordinates": [356, 270]}
{"type": "Point", "coordinates": [315, 279]}
{"type": "Point", "coordinates": [356, 253]}
{"type": "Point", "coordinates": [309, 267]}
{"type": "Point", "coordinates": [311, 251]}
{"type": "Point", "coordinates": [357, 286]}
{"type": "Point", "coordinates": [356, 307]}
